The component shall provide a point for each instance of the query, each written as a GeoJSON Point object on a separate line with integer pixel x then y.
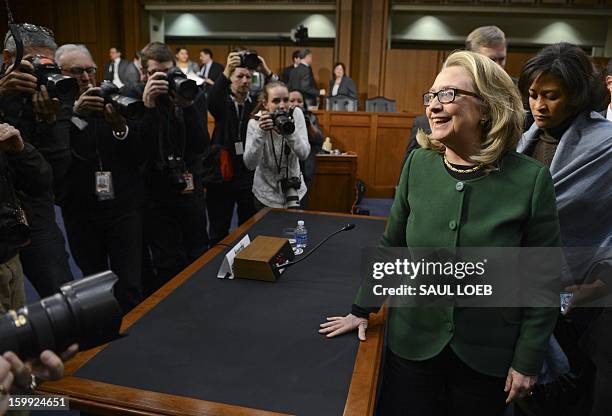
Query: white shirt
{"type": "Point", "coordinates": [609, 114]}
{"type": "Point", "coordinates": [206, 69]}
{"type": "Point", "coordinates": [116, 79]}
{"type": "Point", "coordinates": [335, 89]}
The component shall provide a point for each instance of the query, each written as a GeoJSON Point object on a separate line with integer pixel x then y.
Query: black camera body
{"type": "Point", "coordinates": [283, 121]}
{"type": "Point", "coordinates": [249, 60]}
{"type": "Point", "coordinates": [128, 107]}
{"type": "Point", "coordinates": [47, 73]}
{"type": "Point", "coordinates": [175, 173]}
{"type": "Point", "coordinates": [181, 85]}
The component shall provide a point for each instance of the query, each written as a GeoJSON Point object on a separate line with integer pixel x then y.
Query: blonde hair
{"type": "Point", "coordinates": [503, 108]}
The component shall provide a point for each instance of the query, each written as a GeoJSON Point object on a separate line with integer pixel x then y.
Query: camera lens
{"type": "Point", "coordinates": [85, 311]}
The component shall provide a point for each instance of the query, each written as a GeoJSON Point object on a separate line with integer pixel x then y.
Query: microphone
{"type": "Point", "coordinates": [347, 227]}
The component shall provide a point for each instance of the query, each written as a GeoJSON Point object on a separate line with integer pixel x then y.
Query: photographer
{"type": "Point", "coordinates": [35, 112]}
{"type": "Point", "coordinates": [174, 136]}
{"type": "Point", "coordinates": [315, 139]}
{"type": "Point", "coordinates": [228, 181]}
{"type": "Point", "coordinates": [102, 192]}
{"type": "Point", "coordinates": [274, 144]}
{"type": "Point", "coordinates": [23, 169]}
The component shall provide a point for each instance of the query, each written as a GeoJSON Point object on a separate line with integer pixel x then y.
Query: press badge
{"type": "Point", "coordinates": [104, 186]}
{"type": "Point", "coordinates": [239, 147]}
{"type": "Point", "coordinates": [189, 183]}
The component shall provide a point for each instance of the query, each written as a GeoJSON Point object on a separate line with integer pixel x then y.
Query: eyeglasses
{"type": "Point", "coordinates": [447, 95]}
{"type": "Point", "coordinates": [278, 100]}
{"type": "Point", "coordinates": [78, 71]}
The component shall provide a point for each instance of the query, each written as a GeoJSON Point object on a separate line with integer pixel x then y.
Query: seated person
{"type": "Point", "coordinates": [274, 156]}
{"type": "Point", "coordinates": [342, 85]}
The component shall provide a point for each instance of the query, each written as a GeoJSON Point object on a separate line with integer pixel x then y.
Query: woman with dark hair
{"type": "Point", "coordinates": [342, 84]}
{"type": "Point", "coordinates": [315, 139]}
{"type": "Point", "coordinates": [561, 84]}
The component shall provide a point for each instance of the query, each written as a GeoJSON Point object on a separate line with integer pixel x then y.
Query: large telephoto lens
{"type": "Point", "coordinates": [84, 311]}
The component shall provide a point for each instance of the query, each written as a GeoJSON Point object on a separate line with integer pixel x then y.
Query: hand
{"type": "Point", "coordinates": [10, 139]}
{"type": "Point", "coordinates": [18, 82]}
{"type": "Point", "coordinates": [209, 81]}
{"type": "Point", "coordinates": [156, 85]}
{"type": "Point", "coordinates": [116, 120]}
{"type": "Point", "coordinates": [585, 293]}
{"type": "Point", "coordinates": [518, 385]}
{"type": "Point", "coordinates": [265, 121]}
{"type": "Point", "coordinates": [338, 325]}
{"type": "Point", "coordinates": [45, 108]}
{"type": "Point", "coordinates": [48, 366]}
{"type": "Point", "coordinates": [89, 102]}
{"type": "Point", "coordinates": [322, 92]}
{"type": "Point", "coordinates": [233, 62]}
{"type": "Point", "coordinates": [6, 383]}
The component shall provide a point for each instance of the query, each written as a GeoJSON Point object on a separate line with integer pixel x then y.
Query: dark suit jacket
{"type": "Point", "coordinates": [302, 79]}
{"type": "Point", "coordinates": [347, 87]}
{"type": "Point", "coordinates": [287, 74]}
{"type": "Point", "coordinates": [128, 73]}
{"type": "Point", "coordinates": [419, 123]}
{"type": "Point", "coordinates": [215, 70]}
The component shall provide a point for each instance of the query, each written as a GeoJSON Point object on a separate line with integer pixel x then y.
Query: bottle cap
{"type": "Point", "coordinates": [300, 223]}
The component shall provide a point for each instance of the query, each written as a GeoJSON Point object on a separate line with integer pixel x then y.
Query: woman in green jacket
{"type": "Point", "coordinates": [465, 188]}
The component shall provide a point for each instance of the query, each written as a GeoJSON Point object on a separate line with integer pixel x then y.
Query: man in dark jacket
{"type": "Point", "coordinates": [45, 124]}
{"type": "Point", "coordinates": [210, 69]}
{"type": "Point", "coordinates": [302, 79]}
{"type": "Point", "coordinates": [102, 194]}
{"type": "Point", "coordinates": [119, 71]}
{"type": "Point", "coordinates": [228, 181]}
{"type": "Point", "coordinates": [174, 137]}
{"type": "Point", "coordinates": [23, 170]}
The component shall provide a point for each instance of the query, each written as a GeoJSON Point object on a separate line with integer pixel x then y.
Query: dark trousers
{"type": "Point", "coordinates": [175, 231]}
{"type": "Point", "coordinates": [442, 385]}
{"type": "Point", "coordinates": [44, 260]}
{"type": "Point", "coordinates": [220, 203]}
{"type": "Point", "coordinates": [98, 240]}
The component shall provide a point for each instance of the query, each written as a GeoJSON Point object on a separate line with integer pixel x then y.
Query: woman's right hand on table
{"type": "Point", "coordinates": [338, 325]}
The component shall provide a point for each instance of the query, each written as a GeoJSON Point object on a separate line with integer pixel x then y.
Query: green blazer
{"type": "Point", "coordinates": [510, 207]}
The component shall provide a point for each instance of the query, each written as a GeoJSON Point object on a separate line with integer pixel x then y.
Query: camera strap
{"type": "Point", "coordinates": [278, 162]}
{"type": "Point", "coordinates": [15, 32]}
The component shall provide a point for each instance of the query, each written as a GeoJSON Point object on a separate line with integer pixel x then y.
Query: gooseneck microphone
{"type": "Point", "coordinates": [347, 227]}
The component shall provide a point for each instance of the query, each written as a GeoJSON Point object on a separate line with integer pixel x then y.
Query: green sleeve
{"type": "Point", "coordinates": [394, 235]}
{"type": "Point", "coordinates": [538, 323]}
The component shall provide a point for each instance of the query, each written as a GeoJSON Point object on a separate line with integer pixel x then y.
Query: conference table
{"type": "Point", "coordinates": [207, 346]}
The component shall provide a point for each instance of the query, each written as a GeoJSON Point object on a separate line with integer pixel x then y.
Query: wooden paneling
{"type": "Point", "coordinates": [379, 141]}
{"type": "Point", "coordinates": [409, 73]}
{"type": "Point", "coordinates": [515, 62]}
{"type": "Point", "coordinates": [333, 188]}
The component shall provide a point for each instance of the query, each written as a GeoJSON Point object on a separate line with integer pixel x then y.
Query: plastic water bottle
{"type": "Point", "coordinates": [301, 235]}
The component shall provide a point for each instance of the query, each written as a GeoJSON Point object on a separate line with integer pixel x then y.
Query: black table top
{"type": "Point", "coordinates": [251, 343]}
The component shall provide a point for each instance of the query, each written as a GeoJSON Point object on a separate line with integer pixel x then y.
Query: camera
{"type": "Point", "coordinates": [181, 85]}
{"type": "Point", "coordinates": [175, 173]}
{"type": "Point", "coordinates": [290, 187]}
{"type": "Point", "coordinates": [283, 121]}
{"type": "Point", "coordinates": [84, 311]}
{"type": "Point", "coordinates": [48, 74]}
{"type": "Point", "coordinates": [249, 60]}
{"type": "Point", "coordinates": [128, 107]}
{"type": "Point", "coordinates": [14, 228]}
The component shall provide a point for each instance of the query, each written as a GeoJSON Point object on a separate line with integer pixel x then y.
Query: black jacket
{"type": "Point", "coordinates": [347, 87]}
{"type": "Point", "coordinates": [27, 173]}
{"type": "Point", "coordinates": [167, 129]}
{"type": "Point", "coordinates": [302, 79]}
{"type": "Point", "coordinates": [229, 126]}
{"type": "Point", "coordinates": [216, 69]}
{"type": "Point", "coordinates": [94, 148]}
